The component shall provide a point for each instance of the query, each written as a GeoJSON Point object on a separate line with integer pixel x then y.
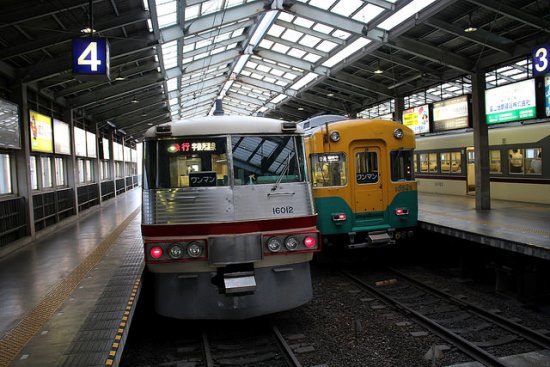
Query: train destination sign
{"type": "Point", "coordinates": [91, 58]}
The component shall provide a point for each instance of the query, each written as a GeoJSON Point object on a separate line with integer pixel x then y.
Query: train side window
{"type": "Point", "coordinates": [533, 160]}
{"type": "Point", "coordinates": [515, 161]}
{"type": "Point", "coordinates": [328, 169]}
{"type": "Point", "coordinates": [494, 161]}
{"type": "Point", "coordinates": [424, 163]}
{"type": "Point", "coordinates": [366, 167]}
{"type": "Point", "coordinates": [432, 161]}
{"type": "Point", "coordinates": [415, 162]}
{"type": "Point", "coordinates": [445, 160]}
{"type": "Point", "coordinates": [456, 159]}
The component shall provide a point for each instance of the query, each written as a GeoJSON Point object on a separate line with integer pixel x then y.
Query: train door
{"type": "Point", "coordinates": [470, 171]}
{"type": "Point", "coordinates": [367, 185]}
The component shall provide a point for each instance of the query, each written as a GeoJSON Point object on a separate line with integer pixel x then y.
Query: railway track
{"type": "Point", "coordinates": [228, 343]}
{"type": "Point", "coordinates": [481, 334]}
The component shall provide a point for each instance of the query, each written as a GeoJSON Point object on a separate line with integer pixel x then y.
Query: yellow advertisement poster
{"type": "Point", "coordinates": [40, 132]}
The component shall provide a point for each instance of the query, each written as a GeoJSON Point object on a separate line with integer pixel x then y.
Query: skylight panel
{"type": "Point", "coordinates": [222, 37]}
{"type": "Point", "coordinates": [276, 30]}
{"type": "Point", "coordinates": [257, 76]}
{"type": "Point", "coordinates": [188, 48]}
{"type": "Point", "coordinates": [368, 13]}
{"type": "Point", "coordinates": [270, 80]}
{"type": "Point", "coordinates": [304, 81]}
{"type": "Point", "coordinates": [217, 50]}
{"type": "Point", "coordinates": [263, 68]}
{"type": "Point", "coordinates": [313, 58]}
{"type": "Point", "coordinates": [302, 22]}
{"type": "Point", "coordinates": [338, 33]}
{"type": "Point", "coordinates": [281, 83]}
{"type": "Point", "coordinates": [322, 28]}
{"type": "Point", "coordinates": [211, 6]}
{"type": "Point", "coordinates": [323, 4]}
{"type": "Point", "coordinates": [192, 11]}
{"type": "Point", "coordinates": [290, 76]}
{"type": "Point", "coordinates": [279, 99]}
{"type": "Point", "coordinates": [326, 46]}
{"type": "Point", "coordinates": [277, 72]}
{"type": "Point", "coordinates": [291, 35]}
{"type": "Point", "coordinates": [278, 47]}
{"type": "Point", "coordinates": [203, 43]}
{"type": "Point", "coordinates": [309, 40]}
{"type": "Point", "coordinates": [167, 8]}
{"type": "Point", "coordinates": [294, 52]}
{"type": "Point", "coordinates": [405, 13]}
{"type": "Point", "coordinates": [245, 73]}
{"type": "Point", "coordinates": [167, 20]}
{"type": "Point", "coordinates": [346, 7]}
{"type": "Point", "coordinates": [287, 17]}
{"type": "Point", "coordinates": [266, 44]}
{"type": "Point", "coordinates": [172, 84]}
{"type": "Point", "coordinates": [349, 50]}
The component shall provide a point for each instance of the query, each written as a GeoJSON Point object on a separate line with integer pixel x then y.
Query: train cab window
{"type": "Point", "coordinates": [366, 167]}
{"type": "Point", "coordinates": [533, 160]}
{"type": "Point", "coordinates": [494, 161]}
{"type": "Point", "coordinates": [267, 159]}
{"type": "Point", "coordinates": [516, 161]}
{"type": "Point", "coordinates": [185, 162]}
{"type": "Point", "coordinates": [401, 165]}
{"type": "Point", "coordinates": [328, 169]}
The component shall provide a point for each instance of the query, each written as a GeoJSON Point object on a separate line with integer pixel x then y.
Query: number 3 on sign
{"type": "Point", "coordinates": [89, 57]}
{"type": "Point", "coordinates": [541, 60]}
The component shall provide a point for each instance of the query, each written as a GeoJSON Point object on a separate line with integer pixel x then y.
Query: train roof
{"type": "Point", "coordinates": [217, 125]}
{"type": "Point", "coordinates": [359, 122]}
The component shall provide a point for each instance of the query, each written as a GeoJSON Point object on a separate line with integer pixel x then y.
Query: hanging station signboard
{"type": "Point", "coordinates": [91, 58]}
{"type": "Point", "coordinates": [511, 102]}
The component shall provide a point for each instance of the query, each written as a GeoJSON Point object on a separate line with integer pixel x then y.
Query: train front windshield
{"type": "Point", "coordinates": [198, 162]}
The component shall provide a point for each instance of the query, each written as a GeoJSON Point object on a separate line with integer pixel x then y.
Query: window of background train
{"type": "Point", "coordinates": [450, 162]}
{"type": "Point", "coordinates": [515, 160]}
{"type": "Point", "coordinates": [428, 162]}
{"type": "Point", "coordinates": [494, 161]}
{"type": "Point", "coordinates": [533, 161]}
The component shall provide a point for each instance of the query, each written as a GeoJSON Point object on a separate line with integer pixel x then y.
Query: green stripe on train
{"type": "Point", "coordinates": [367, 221]}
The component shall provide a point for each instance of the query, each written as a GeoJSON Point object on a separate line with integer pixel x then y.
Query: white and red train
{"type": "Point", "coordinates": [228, 221]}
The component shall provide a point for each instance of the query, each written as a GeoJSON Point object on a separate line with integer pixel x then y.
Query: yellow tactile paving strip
{"type": "Point", "coordinates": [13, 341]}
{"type": "Point", "coordinates": [123, 325]}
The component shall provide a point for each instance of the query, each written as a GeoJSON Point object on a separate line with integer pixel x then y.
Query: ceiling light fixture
{"type": "Point", "coordinates": [134, 100]}
{"type": "Point", "coordinates": [378, 70]}
{"type": "Point", "coordinates": [119, 76]}
{"type": "Point", "coordinates": [470, 28]}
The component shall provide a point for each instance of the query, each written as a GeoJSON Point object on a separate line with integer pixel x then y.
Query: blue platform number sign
{"type": "Point", "coordinates": [541, 60]}
{"type": "Point", "coordinates": [91, 56]}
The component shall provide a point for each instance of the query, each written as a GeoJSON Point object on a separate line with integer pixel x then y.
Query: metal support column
{"type": "Point", "coordinates": [481, 143]}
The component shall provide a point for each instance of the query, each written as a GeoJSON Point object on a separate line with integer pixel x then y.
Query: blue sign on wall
{"type": "Point", "coordinates": [91, 57]}
{"type": "Point", "coordinates": [541, 60]}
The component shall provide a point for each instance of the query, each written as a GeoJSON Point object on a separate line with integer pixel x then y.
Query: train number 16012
{"type": "Point", "coordinates": [283, 210]}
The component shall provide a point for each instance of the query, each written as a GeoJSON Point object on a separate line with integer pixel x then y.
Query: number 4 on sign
{"type": "Point", "coordinates": [89, 57]}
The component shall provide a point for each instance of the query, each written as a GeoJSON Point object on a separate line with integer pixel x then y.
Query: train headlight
{"type": "Point", "coordinates": [310, 242]}
{"type": "Point", "coordinates": [175, 251]}
{"type": "Point", "coordinates": [156, 252]}
{"type": "Point", "coordinates": [398, 133]}
{"type": "Point", "coordinates": [194, 249]}
{"type": "Point", "coordinates": [274, 244]}
{"type": "Point", "coordinates": [291, 243]}
{"type": "Point", "coordinates": [335, 136]}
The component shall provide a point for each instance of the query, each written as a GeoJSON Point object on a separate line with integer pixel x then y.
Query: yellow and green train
{"type": "Point", "coordinates": [364, 188]}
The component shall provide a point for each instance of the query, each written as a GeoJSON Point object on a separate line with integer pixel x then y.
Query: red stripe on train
{"type": "Point", "coordinates": [202, 229]}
